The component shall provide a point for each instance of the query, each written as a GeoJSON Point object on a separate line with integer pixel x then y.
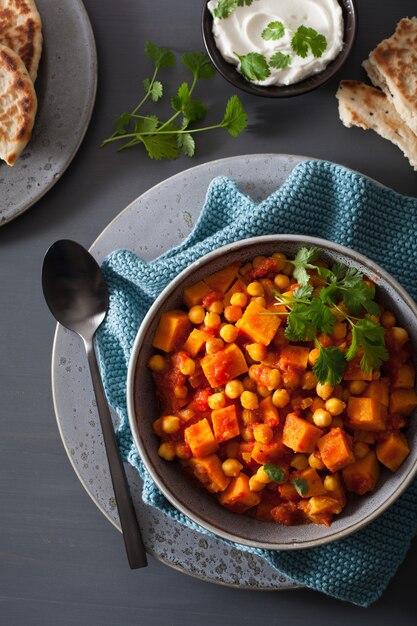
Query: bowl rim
{"type": "Point", "coordinates": [310, 83]}
{"type": "Point", "coordinates": [326, 245]}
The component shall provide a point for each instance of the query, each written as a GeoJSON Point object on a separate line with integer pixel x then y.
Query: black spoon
{"type": "Point", "coordinates": [76, 293]}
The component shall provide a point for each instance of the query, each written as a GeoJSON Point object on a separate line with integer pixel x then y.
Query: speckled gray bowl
{"type": "Point", "coordinates": [193, 501]}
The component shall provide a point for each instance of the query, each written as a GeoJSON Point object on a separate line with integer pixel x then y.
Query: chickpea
{"type": "Point", "coordinates": [170, 424]}
{"type": "Point", "coordinates": [157, 363]}
{"type": "Point", "coordinates": [288, 269]}
{"type": "Point", "coordinates": [259, 300]}
{"type": "Point", "coordinates": [255, 289]}
{"type": "Point", "coordinates": [262, 433]}
{"type": "Point", "coordinates": [258, 260]}
{"type": "Point", "coordinates": [249, 400]}
{"type": "Point", "coordinates": [214, 345]}
{"type": "Point", "coordinates": [186, 414]}
{"type": "Point", "coordinates": [335, 406]}
{"type": "Point", "coordinates": [388, 319]}
{"type": "Point", "coordinates": [274, 379]}
{"type": "Point", "coordinates": [280, 256]}
{"type": "Point", "coordinates": [330, 483]}
{"type": "Point", "coordinates": [246, 434]}
{"type": "Point", "coordinates": [263, 391]}
{"type": "Point", "coordinates": [308, 380]}
{"type": "Point", "coordinates": [229, 333]}
{"type": "Point", "coordinates": [232, 313]}
{"type": "Point", "coordinates": [256, 351]}
{"type": "Point", "coordinates": [360, 449]}
{"type": "Point", "coordinates": [180, 391]}
{"type": "Point", "coordinates": [356, 387]}
{"type": "Point", "coordinates": [280, 398]}
{"type": "Point", "coordinates": [167, 451]}
{"type": "Point", "coordinates": [313, 356]}
{"type": "Point", "coordinates": [299, 461]}
{"type": "Point", "coordinates": [182, 451]}
{"type": "Point", "coordinates": [399, 335]}
{"type": "Point", "coordinates": [315, 462]}
{"type": "Point", "coordinates": [232, 467]}
{"type": "Point", "coordinates": [318, 403]}
{"type": "Point", "coordinates": [291, 379]}
{"type": "Point", "coordinates": [281, 281]}
{"type": "Point", "coordinates": [255, 485]}
{"type": "Point", "coordinates": [249, 417]}
{"type": "Point", "coordinates": [322, 418]}
{"type": "Point", "coordinates": [212, 320]}
{"type": "Point", "coordinates": [216, 307]}
{"type": "Point", "coordinates": [262, 476]}
{"type": "Point", "coordinates": [233, 389]}
{"type": "Point", "coordinates": [249, 384]}
{"type": "Point", "coordinates": [239, 299]}
{"type": "Point", "coordinates": [157, 427]}
{"type": "Point", "coordinates": [217, 401]}
{"type": "Point", "coordinates": [187, 367]}
{"type": "Point", "coordinates": [324, 390]}
{"type": "Point", "coordinates": [339, 331]}
{"type": "Point", "coordinates": [196, 314]}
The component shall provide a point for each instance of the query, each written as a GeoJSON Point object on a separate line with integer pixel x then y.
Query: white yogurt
{"type": "Point", "coordinates": [241, 33]}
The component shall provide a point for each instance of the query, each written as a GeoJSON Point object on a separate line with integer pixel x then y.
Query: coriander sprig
{"type": "Point", "coordinates": [225, 8]}
{"type": "Point", "coordinates": [168, 139]}
{"type": "Point", "coordinates": [309, 314]}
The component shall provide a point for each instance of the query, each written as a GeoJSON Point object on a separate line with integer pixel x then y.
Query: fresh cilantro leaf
{"type": "Point", "coordinates": [368, 337]}
{"type": "Point", "coordinates": [162, 57]}
{"type": "Point", "coordinates": [225, 8]}
{"type": "Point", "coordinates": [147, 124]}
{"type": "Point", "coordinates": [254, 66]}
{"type": "Point", "coordinates": [330, 366]}
{"type": "Point", "coordinates": [351, 278]}
{"type": "Point", "coordinates": [155, 89]}
{"type": "Point", "coordinates": [299, 325]}
{"type": "Point", "coordinates": [275, 472]}
{"type": "Point", "coordinates": [321, 316]}
{"type": "Point", "coordinates": [199, 64]}
{"type": "Point", "coordinates": [362, 295]}
{"type": "Point", "coordinates": [186, 144]}
{"type": "Point", "coordinates": [303, 292]}
{"type": "Point", "coordinates": [244, 3]}
{"type": "Point", "coordinates": [194, 110]}
{"type": "Point", "coordinates": [161, 146]}
{"type": "Point", "coordinates": [305, 38]}
{"type": "Point", "coordinates": [301, 486]}
{"type": "Point", "coordinates": [122, 123]}
{"type": "Point", "coordinates": [330, 294]}
{"type": "Point", "coordinates": [235, 119]}
{"type": "Point", "coordinates": [274, 30]}
{"type": "Point", "coordinates": [302, 262]}
{"type": "Point", "coordinates": [280, 61]}
{"type": "Point", "coordinates": [181, 98]}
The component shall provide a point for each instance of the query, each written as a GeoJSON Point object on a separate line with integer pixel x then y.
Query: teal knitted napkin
{"type": "Point", "coordinates": [319, 199]}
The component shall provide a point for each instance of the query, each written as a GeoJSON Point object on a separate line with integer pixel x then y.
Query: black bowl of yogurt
{"type": "Point", "coordinates": [279, 48]}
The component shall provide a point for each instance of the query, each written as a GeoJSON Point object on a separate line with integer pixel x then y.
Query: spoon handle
{"type": "Point", "coordinates": [131, 533]}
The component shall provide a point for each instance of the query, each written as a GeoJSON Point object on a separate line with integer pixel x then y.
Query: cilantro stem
{"type": "Point", "coordinates": [173, 117]}
{"type": "Point", "coordinates": [166, 132]}
{"type": "Point", "coordinates": [148, 93]}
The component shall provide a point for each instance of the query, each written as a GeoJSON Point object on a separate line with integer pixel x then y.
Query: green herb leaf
{"type": "Point", "coordinates": [225, 8]}
{"type": "Point", "coordinates": [369, 337]}
{"type": "Point", "coordinates": [330, 366]}
{"type": "Point", "coordinates": [275, 473]}
{"type": "Point", "coordinates": [235, 119]}
{"type": "Point", "coordinates": [302, 262]}
{"type": "Point", "coordinates": [122, 123]}
{"type": "Point", "coordinates": [301, 486]}
{"type": "Point", "coordinates": [199, 64]}
{"type": "Point", "coordinates": [161, 146]}
{"type": "Point", "coordinates": [321, 316]}
{"type": "Point", "coordinates": [162, 57]}
{"type": "Point", "coordinates": [148, 124]}
{"type": "Point", "coordinates": [299, 325]}
{"type": "Point", "coordinates": [274, 31]}
{"type": "Point", "coordinates": [303, 292]}
{"type": "Point", "coordinates": [361, 295]}
{"type": "Point", "coordinates": [194, 110]}
{"type": "Point", "coordinates": [254, 66]}
{"type": "Point", "coordinates": [181, 98]}
{"type": "Point", "coordinates": [186, 144]}
{"type": "Point", "coordinates": [280, 61]}
{"type": "Point", "coordinates": [305, 38]}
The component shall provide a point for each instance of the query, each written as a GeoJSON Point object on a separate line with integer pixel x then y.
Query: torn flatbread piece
{"type": "Point", "coordinates": [392, 66]}
{"type": "Point", "coordinates": [18, 105]}
{"type": "Point", "coordinates": [21, 30]}
{"type": "Point", "coordinates": [369, 108]}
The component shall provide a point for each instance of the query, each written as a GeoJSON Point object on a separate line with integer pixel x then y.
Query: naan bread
{"type": "Point", "coordinates": [21, 30]}
{"type": "Point", "coordinates": [369, 108]}
{"type": "Point", "coordinates": [392, 66]}
{"type": "Point", "coordinates": [18, 105]}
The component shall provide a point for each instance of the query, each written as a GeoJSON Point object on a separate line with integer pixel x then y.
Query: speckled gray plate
{"type": "Point", "coordinates": [68, 58]}
{"type": "Point", "coordinates": [160, 219]}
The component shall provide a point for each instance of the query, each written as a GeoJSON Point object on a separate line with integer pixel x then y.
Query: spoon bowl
{"type": "Point", "coordinates": [76, 293]}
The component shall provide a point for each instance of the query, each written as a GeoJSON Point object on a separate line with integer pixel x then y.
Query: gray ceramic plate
{"type": "Point", "coordinates": [68, 58]}
{"type": "Point", "coordinates": [173, 205]}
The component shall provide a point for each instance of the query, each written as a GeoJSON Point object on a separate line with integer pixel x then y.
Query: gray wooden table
{"type": "Point", "coordinates": [61, 561]}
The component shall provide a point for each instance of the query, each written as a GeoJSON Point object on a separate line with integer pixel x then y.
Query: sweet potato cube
{"type": "Point", "coordinates": [393, 450]}
{"type": "Point", "coordinates": [404, 377]}
{"type": "Point", "coordinates": [366, 414]}
{"type": "Point", "coordinates": [200, 438]}
{"type": "Point", "coordinates": [195, 293]}
{"type": "Point", "coordinates": [225, 423]}
{"type": "Point", "coordinates": [224, 365]}
{"type": "Point", "coordinates": [237, 287]}
{"type": "Point", "coordinates": [362, 476]}
{"type": "Point", "coordinates": [379, 390]}
{"type": "Point", "coordinates": [238, 497]}
{"type": "Point", "coordinates": [172, 329]}
{"type": "Point", "coordinates": [209, 471]}
{"type": "Point", "coordinates": [355, 372]}
{"type": "Point", "coordinates": [336, 449]}
{"type": "Point", "coordinates": [300, 435]}
{"type": "Point", "coordinates": [269, 412]}
{"type": "Point", "coordinates": [323, 504]}
{"type": "Point", "coordinates": [294, 356]}
{"type": "Point", "coordinates": [403, 401]}
{"type": "Point", "coordinates": [287, 491]}
{"type": "Point", "coordinates": [195, 341]}
{"type": "Point", "coordinates": [271, 452]}
{"type": "Point", "coordinates": [308, 483]}
{"type": "Point", "coordinates": [221, 281]}
{"type": "Point", "coordinates": [258, 323]}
